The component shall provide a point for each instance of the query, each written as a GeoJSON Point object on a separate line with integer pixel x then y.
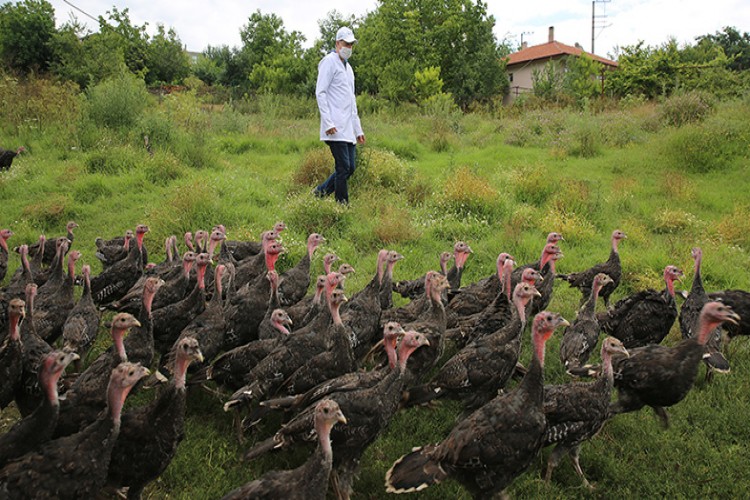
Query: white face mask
{"type": "Point", "coordinates": [345, 53]}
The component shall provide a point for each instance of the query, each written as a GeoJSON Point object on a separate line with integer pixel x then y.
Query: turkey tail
{"type": "Point", "coordinates": [519, 371]}
{"type": "Point", "coordinates": [255, 416]}
{"type": "Point", "coordinates": [261, 449]}
{"type": "Point", "coordinates": [244, 396]}
{"type": "Point", "coordinates": [284, 403]}
{"type": "Point", "coordinates": [423, 394]}
{"type": "Point", "coordinates": [414, 472]}
{"type": "Point", "coordinates": [586, 371]}
{"type": "Point", "coordinates": [716, 361]}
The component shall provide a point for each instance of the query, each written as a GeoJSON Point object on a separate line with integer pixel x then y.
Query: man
{"type": "Point", "coordinates": [340, 127]}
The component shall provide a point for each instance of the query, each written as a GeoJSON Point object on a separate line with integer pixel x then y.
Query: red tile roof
{"type": "Point", "coordinates": [551, 49]}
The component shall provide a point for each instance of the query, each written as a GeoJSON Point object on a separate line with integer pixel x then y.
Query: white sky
{"type": "Point", "coordinates": [218, 22]}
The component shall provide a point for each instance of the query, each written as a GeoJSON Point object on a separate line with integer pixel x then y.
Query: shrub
{"type": "Point", "coordinates": [620, 129]}
{"type": "Point", "coordinates": [159, 129]}
{"type": "Point", "coordinates": [706, 147]}
{"type": "Point", "coordinates": [193, 150]}
{"type": "Point", "coordinates": [735, 227]}
{"type": "Point", "coordinates": [580, 138]}
{"type": "Point", "coordinates": [91, 189]}
{"type": "Point", "coordinates": [117, 102]}
{"type": "Point", "coordinates": [162, 169]}
{"type": "Point", "coordinates": [113, 160]}
{"type": "Point", "coordinates": [465, 191]}
{"type": "Point", "coordinates": [52, 211]}
{"type": "Point", "coordinates": [316, 166]}
{"type": "Point", "coordinates": [369, 105]}
{"type": "Point", "coordinates": [530, 184]}
{"type": "Point", "coordinates": [309, 214]}
{"type": "Point", "coordinates": [690, 107]}
{"type": "Point", "coordinates": [671, 221]}
{"type": "Point", "coordinates": [377, 168]}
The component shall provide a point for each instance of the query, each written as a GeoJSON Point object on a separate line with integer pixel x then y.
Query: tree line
{"type": "Point", "coordinates": [408, 51]}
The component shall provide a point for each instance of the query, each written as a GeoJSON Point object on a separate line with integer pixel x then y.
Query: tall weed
{"type": "Point", "coordinates": [117, 102]}
{"type": "Point", "coordinates": [689, 107]}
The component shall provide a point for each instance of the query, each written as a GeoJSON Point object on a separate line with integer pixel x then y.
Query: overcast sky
{"type": "Point", "coordinates": [218, 22]}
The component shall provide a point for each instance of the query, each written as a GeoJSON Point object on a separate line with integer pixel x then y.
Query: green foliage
{"type": "Point", "coordinates": [90, 190]}
{"type": "Point", "coordinates": [547, 82]}
{"type": "Point", "coordinates": [689, 107]}
{"type": "Point", "coordinates": [166, 60]}
{"type": "Point", "coordinates": [131, 40]}
{"type": "Point", "coordinates": [26, 31]}
{"type": "Point", "coordinates": [117, 102]}
{"type": "Point", "coordinates": [706, 147]}
{"type": "Point", "coordinates": [456, 36]}
{"type": "Point", "coordinates": [580, 80]}
{"type": "Point", "coordinates": [113, 160]}
{"type": "Point", "coordinates": [734, 44]}
{"type": "Point", "coordinates": [427, 83]}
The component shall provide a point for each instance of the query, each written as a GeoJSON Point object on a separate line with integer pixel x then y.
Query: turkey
{"type": "Point", "coordinates": [7, 156]}
{"type": "Point", "coordinates": [295, 281]}
{"type": "Point", "coordinates": [432, 324]}
{"type": "Point", "coordinates": [644, 317]}
{"type": "Point", "coordinates": [278, 325]}
{"type": "Point", "coordinates": [31, 432]}
{"type": "Point", "coordinates": [576, 412]}
{"type": "Point", "coordinates": [171, 319]}
{"type": "Point", "coordinates": [495, 315]}
{"type": "Point", "coordinates": [4, 235]}
{"type": "Point", "coordinates": [475, 297]}
{"type": "Point", "coordinates": [247, 307]}
{"type": "Point", "coordinates": [48, 251]}
{"type": "Point", "coordinates": [308, 308]}
{"type": "Point", "coordinates": [149, 435]}
{"type": "Point", "coordinates": [267, 329]}
{"type": "Point", "coordinates": [87, 396]}
{"type": "Point", "coordinates": [370, 408]}
{"type": "Point", "coordinates": [28, 392]}
{"type": "Point", "coordinates": [176, 281]}
{"type": "Point", "coordinates": [268, 376]}
{"type": "Point", "coordinates": [461, 252]}
{"type": "Point", "coordinates": [661, 376]}
{"type": "Point", "coordinates": [11, 353]}
{"type": "Point", "coordinates": [82, 324]}
{"type": "Point", "coordinates": [336, 359]}
{"type": "Point", "coordinates": [739, 301]}
{"type": "Point", "coordinates": [493, 445]}
{"type": "Point", "coordinates": [476, 372]}
{"type": "Point", "coordinates": [114, 281]}
{"type": "Point", "coordinates": [349, 381]}
{"type": "Point", "coordinates": [209, 326]}
{"type": "Point", "coordinates": [690, 321]}
{"type": "Point", "coordinates": [54, 304]}
{"type": "Point", "coordinates": [546, 286]}
{"type": "Point", "coordinates": [612, 268]}
{"type": "Point", "coordinates": [241, 250]}
{"type": "Point", "coordinates": [252, 267]}
{"type": "Point", "coordinates": [413, 289]}
{"type": "Point", "coordinates": [550, 246]}
{"type": "Point", "coordinates": [580, 339]}
{"type": "Point", "coordinates": [74, 466]}
{"type": "Point", "coordinates": [362, 312]}
{"type": "Point", "coordinates": [310, 480]}
{"type": "Point", "coordinates": [111, 251]}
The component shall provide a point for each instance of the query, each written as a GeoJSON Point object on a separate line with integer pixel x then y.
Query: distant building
{"type": "Point", "coordinates": [522, 64]}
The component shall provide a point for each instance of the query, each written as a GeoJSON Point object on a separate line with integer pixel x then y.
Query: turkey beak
{"type": "Point", "coordinates": [621, 349]}
{"type": "Point", "coordinates": [733, 318]}
{"type": "Point", "coordinates": [70, 357]}
{"type": "Point", "coordinates": [340, 417]}
{"type": "Point", "coordinates": [536, 293]}
{"type": "Point", "coordinates": [199, 356]}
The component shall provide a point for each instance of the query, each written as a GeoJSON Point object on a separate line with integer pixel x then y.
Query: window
{"type": "Point", "coordinates": [510, 77]}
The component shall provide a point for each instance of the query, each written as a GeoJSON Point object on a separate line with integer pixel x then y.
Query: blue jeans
{"type": "Point", "coordinates": [344, 156]}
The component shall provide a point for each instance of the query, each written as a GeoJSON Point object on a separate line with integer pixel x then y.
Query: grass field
{"type": "Point", "coordinates": [426, 178]}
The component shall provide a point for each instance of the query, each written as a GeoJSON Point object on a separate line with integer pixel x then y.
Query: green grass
{"type": "Point", "coordinates": [500, 184]}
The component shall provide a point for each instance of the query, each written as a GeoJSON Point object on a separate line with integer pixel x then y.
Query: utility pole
{"type": "Point", "coordinates": [599, 21]}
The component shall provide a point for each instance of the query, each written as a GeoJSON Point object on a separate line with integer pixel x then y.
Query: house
{"type": "Point", "coordinates": [522, 64]}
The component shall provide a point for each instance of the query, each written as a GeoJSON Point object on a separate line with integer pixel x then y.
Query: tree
{"type": "Point", "coordinates": [131, 39]}
{"type": "Point", "coordinates": [402, 37]}
{"type": "Point", "coordinates": [26, 32]}
{"type": "Point", "coordinates": [736, 46]}
{"type": "Point", "coordinates": [166, 61]}
{"type": "Point", "coordinates": [580, 80]}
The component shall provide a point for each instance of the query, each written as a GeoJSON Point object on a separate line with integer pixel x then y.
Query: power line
{"type": "Point", "coordinates": [81, 11]}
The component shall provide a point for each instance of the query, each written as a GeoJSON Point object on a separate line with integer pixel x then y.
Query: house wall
{"type": "Point", "coordinates": [522, 82]}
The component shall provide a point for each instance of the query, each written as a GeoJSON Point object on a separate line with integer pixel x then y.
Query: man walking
{"type": "Point", "coordinates": [340, 127]}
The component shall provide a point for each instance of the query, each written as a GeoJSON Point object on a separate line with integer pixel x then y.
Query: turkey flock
{"type": "Point", "coordinates": [334, 365]}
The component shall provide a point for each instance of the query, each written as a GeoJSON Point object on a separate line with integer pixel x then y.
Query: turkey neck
{"type": "Point", "coordinates": [13, 327]}
{"type": "Point", "coordinates": [607, 373]}
{"type": "Point", "coordinates": [670, 284]}
{"type": "Point", "coordinates": [180, 370]}
{"type": "Point", "coordinates": [380, 268]}
{"type": "Point", "coordinates": [590, 306]}
{"type": "Point", "coordinates": [697, 286]}
{"type": "Point", "coordinates": [506, 277]}
{"type": "Point", "coordinates": [533, 381]}
{"type": "Point", "coordinates": [705, 327]}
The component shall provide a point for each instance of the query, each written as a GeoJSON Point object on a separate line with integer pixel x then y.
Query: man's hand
{"type": "Point", "coordinates": [331, 131]}
{"type": "Point", "coordinates": [361, 139]}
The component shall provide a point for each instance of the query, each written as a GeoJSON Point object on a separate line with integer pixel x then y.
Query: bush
{"type": "Point", "coordinates": [466, 192]}
{"type": "Point", "coordinates": [620, 129]}
{"type": "Point", "coordinates": [316, 166]}
{"type": "Point", "coordinates": [310, 214]}
{"type": "Point", "coordinates": [162, 169]}
{"type": "Point", "coordinates": [377, 168]}
{"type": "Point", "coordinates": [53, 211]}
{"type": "Point", "coordinates": [690, 107]}
{"type": "Point", "coordinates": [700, 148]}
{"type": "Point", "coordinates": [117, 102]}
{"type": "Point", "coordinates": [159, 129]}
{"type": "Point", "coordinates": [580, 138]}
{"type": "Point", "coordinates": [113, 160]}
{"type": "Point", "coordinates": [91, 189]}
{"type": "Point", "coordinates": [530, 185]}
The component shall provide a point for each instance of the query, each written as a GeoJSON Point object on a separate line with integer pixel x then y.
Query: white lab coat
{"type": "Point", "coordinates": [336, 101]}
